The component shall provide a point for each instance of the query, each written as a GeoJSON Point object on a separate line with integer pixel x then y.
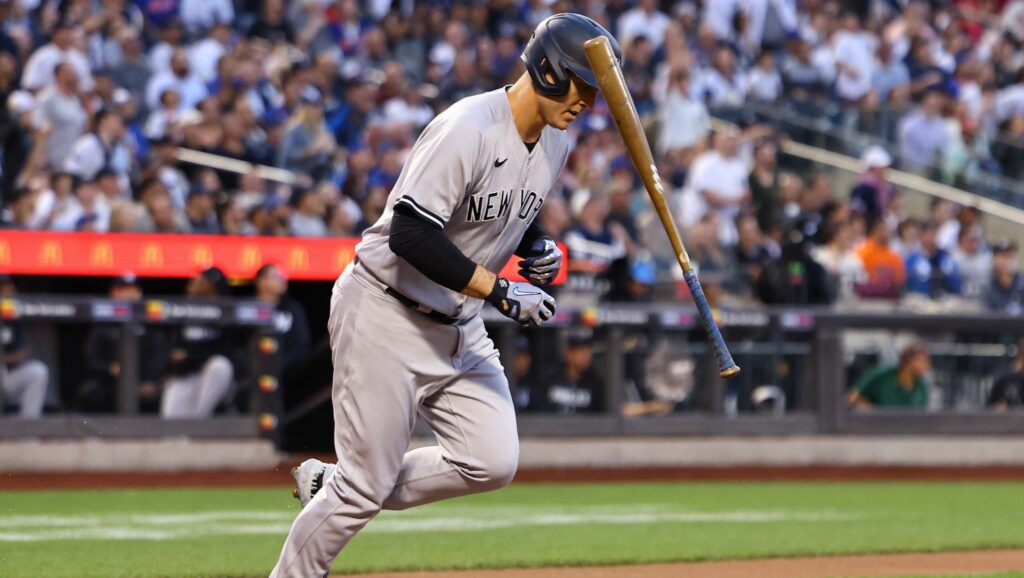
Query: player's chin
{"type": "Point", "coordinates": [564, 120]}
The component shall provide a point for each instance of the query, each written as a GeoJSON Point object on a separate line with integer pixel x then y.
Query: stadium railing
{"type": "Point", "coordinates": [809, 356]}
{"type": "Point", "coordinates": [256, 319]}
{"type": "Point", "coordinates": [821, 133]}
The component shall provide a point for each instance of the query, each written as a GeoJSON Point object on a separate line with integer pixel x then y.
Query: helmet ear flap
{"type": "Point", "coordinates": [541, 69]}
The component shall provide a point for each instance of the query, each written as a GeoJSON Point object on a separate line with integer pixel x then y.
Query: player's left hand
{"type": "Point", "coordinates": [543, 265]}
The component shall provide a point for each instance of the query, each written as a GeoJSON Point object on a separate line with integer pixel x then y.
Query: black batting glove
{"type": "Point", "coordinates": [521, 302]}
{"type": "Point", "coordinates": [542, 265]}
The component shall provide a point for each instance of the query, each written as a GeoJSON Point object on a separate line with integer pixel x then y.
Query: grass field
{"type": "Point", "coordinates": [238, 532]}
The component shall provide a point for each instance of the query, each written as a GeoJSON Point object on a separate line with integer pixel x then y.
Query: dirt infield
{"type": "Point", "coordinates": [281, 476]}
{"type": "Point", "coordinates": [824, 567]}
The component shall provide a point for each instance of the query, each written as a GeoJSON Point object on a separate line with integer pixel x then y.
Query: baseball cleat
{"type": "Point", "coordinates": [310, 476]}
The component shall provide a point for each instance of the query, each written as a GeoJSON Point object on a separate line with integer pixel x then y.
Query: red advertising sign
{"type": "Point", "coordinates": [154, 255]}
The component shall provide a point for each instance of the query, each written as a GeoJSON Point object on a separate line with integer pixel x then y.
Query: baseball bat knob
{"type": "Point", "coordinates": [729, 372]}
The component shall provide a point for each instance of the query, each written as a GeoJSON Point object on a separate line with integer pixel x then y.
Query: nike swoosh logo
{"type": "Point", "coordinates": [516, 292]}
{"type": "Point", "coordinates": [499, 162]}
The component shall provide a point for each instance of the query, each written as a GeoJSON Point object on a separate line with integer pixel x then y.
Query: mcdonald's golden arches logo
{"type": "Point", "coordinates": [5, 253]}
{"type": "Point", "coordinates": [152, 255]}
{"type": "Point", "coordinates": [298, 259]}
{"type": "Point", "coordinates": [345, 256]}
{"type": "Point", "coordinates": [250, 257]}
{"type": "Point", "coordinates": [102, 254]}
{"type": "Point", "coordinates": [51, 253]}
{"type": "Point", "coordinates": [202, 255]}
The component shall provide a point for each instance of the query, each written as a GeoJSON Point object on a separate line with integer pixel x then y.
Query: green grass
{"type": "Point", "coordinates": [1000, 575]}
{"type": "Point", "coordinates": [239, 532]}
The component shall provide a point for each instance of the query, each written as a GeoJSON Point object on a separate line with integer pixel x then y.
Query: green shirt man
{"type": "Point", "coordinates": [881, 387]}
{"type": "Point", "coordinates": [895, 386]}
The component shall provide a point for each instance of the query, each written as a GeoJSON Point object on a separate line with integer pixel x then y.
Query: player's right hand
{"type": "Point", "coordinates": [521, 302]}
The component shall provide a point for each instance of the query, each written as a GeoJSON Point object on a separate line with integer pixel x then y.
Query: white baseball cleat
{"type": "Point", "coordinates": [310, 476]}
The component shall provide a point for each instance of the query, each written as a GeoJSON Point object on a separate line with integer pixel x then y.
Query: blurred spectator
{"type": "Point", "coordinates": [592, 243]}
{"type": "Point", "coordinates": [705, 251]}
{"type": "Point", "coordinates": [683, 120]}
{"type": "Point", "coordinates": [973, 261]}
{"type": "Point", "coordinates": [644, 20]}
{"type": "Point", "coordinates": [41, 68]}
{"type": "Point", "coordinates": [890, 80]}
{"type": "Point", "coordinates": [931, 271]}
{"type": "Point", "coordinates": [1006, 292]}
{"type": "Point", "coordinates": [723, 84]}
{"type": "Point", "coordinates": [842, 265]}
{"type": "Point", "coordinates": [55, 206]}
{"type": "Point", "coordinates": [272, 25]}
{"type": "Point", "coordinates": [94, 212]}
{"type": "Point", "coordinates": [884, 268]}
{"type": "Point", "coordinates": [165, 116]}
{"type": "Point", "coordinates": [61, 111]}
{"type": "Point", "coordinates": [752, 251]}
{"type": "Point", "coordinates": [1008, 149]}
{"type": "Point", "coordinates": [19, 135]}
{"type": "Point", "coordinates": [24, 380]}
{"type": "Point", "coordinates": [201, 211]}
{"type": "Point", "coordinates": [854, 50]}
{"type": "Point", "coordinates": [873, 192]}
{"type": "Point", "coordinates": [198, 15]}
{"type": "Point", "coordinates": [103, 361]}
{"type": "Point", "coordinates": [718, 183]}
{"type": "Point", "coordinates": [179, 78]}
{"type": "Point", "coordinates": [923, 135]}
{"type": "Point", "coordinates": [720, 18]}
{"type": "Point", "coordinates": [764, 82]}
{"type": "Point", "coordinates": [103, 148]}
{"type": "Point", "coordinates": [901, 386]}
{"type": "Point", "coordinates": [1007, 392]}
{"type": "Point", "coordinates": [575, 387]}
{"type": "Point", "coordinates": [307, 220]}
{"type": "Point", "coordinates": [524, 394]}
{"type": "Point", "coordinates": [290, 321]}
{"type": "Point", "coordinates": [200, 368]}
{"type": "Point", "coordinates": [908, 237]}
{"type": "Point", "coordinates": [769, 23]}
{"type": "Point", "coordinates": [764, 186]}
{"type": "Point", "coordinates": [133, 71]}
{"type": "Point", "coordinates": [307, 145]}
{"type": "Point", "coordinates": [795, 277]}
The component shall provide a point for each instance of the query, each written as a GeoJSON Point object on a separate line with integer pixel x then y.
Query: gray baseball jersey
{"type": "Point", "coordinates": [470, 174]}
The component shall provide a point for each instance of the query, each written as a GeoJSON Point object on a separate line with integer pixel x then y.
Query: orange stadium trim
{"type": "Point", "coordinates": [156, 255]}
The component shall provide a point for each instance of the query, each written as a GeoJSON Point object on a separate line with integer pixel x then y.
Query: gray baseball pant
{"type": "Point", "coordinates": [390, 363]}
{"type": "Point", "coordinates": [27, 384]}
{"type": "Point", "coordinates": [195, 396]}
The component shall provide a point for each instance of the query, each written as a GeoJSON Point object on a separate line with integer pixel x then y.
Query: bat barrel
{"type": "Point", "coordinates": [620, 104]}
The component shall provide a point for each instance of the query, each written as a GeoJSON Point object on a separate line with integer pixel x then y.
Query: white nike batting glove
{"type": "Point", "coordinates": [542, 265]}
{"type": "Point", "coordinates": [521, 302]}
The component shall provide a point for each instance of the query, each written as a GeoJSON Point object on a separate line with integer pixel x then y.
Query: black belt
{"type": "Point", "coordinates": [435, 315]}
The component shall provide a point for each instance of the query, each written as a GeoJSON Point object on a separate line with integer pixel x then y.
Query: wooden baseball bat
{"type": "Point", "coordinates": [620, 103]}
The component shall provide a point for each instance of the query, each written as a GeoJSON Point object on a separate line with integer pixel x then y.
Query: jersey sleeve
{"type": "Point", "coordinates": [441, 169]}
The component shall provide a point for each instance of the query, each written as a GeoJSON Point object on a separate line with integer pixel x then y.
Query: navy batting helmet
{"type": "Point", "coordinates": [556, 49]}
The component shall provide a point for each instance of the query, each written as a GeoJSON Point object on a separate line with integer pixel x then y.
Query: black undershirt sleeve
{"type": "Point", "coordinates": [532, 233]}
{"type": "Point", "coordinates": [423, 245]}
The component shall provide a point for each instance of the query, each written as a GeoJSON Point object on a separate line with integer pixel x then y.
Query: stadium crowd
{"type": "Point", "coordinates": [101, 95]}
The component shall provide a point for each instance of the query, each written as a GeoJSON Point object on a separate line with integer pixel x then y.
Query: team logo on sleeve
{"type": "Point", "coordinates": [483, 207]}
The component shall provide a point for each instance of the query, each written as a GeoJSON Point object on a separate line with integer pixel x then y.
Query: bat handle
{"type": "Point", "coordinates": [726, 366]}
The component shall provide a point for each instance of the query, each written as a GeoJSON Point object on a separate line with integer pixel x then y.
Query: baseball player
{"type": "Point", "coordinates": [405, 331]}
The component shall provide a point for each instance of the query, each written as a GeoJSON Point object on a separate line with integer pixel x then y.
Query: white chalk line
{"type": "Point", "coordinates": [177, 526]}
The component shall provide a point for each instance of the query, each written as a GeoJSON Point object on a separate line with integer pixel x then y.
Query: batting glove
{"type": "Point", "coordinates": [521, 302]}
{"type": "Point", "coordinates": [542, 266]}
